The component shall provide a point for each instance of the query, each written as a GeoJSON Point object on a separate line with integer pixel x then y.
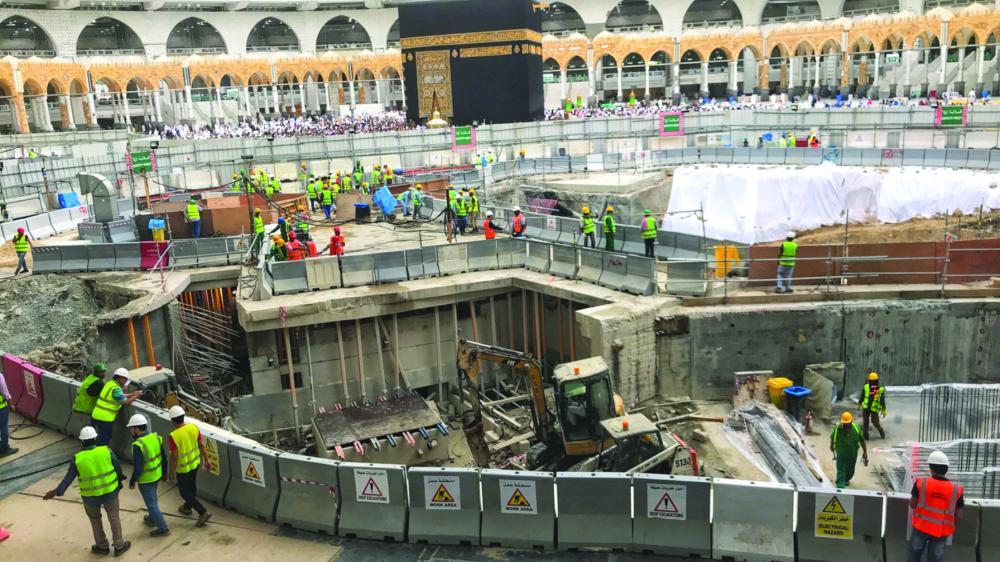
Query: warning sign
{"type": "Point", "coordinates": [518, 496]}
{"type": "Point", "coordinates": [442, 492]}
{"type": "Point", "coordinates": [666, 501]}
{"type": "Point", "coordinates": [252, 469]}
{"type": "Point", "coordinates": [371, 485]}
{"type": "Point", "coordinates": [835, 516]}
{"type": "Point", "coordinates": [212, 457]}
{"type": "Point", "coordinates": [29, 384]}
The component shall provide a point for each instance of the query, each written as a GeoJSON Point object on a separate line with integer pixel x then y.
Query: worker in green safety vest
{"type": "Point", "coordinates": [90, 389]}
{"type": "Point", "coordinates": [237, 184]}
{"type": "Point", "coordinates": [461, 212]}
{"type": "Point", "coordinates": [109, 403]}
{"type": "Point", "coordinates": [648, 226]}
{"type": "Point", "coordinates": [872, 404]}
{"type": "Point", "coordinates": [22, 245]}
{"type": "Point", "coordinates": [193, 216]}
{"type": "Point", "coordinates": [610, 228]}
{"type": "Point", "coordinates": [148, 462]}
{"type": "Point", "coordinates": [587, 228]}
{"type": "Point", "coordinates": [786, 263]}
{"type": "Point", "coordinates": [844, 443]}
{"type": "Point", "coordinates": [474, 210]}
{"type": "Point", "coordinates": [326, 199]}
{"type": "Point", "coordinates": [359, 176]}
{"type": "Point", "coordinates": [100, 476]}
{"type": "Point", "coordinates": [276, 184]}
{"type": "Point", "coordinates": [346, 180]}
{"type": "Point", "coordinates": [258, 229]}
{"type": "Point", "coordinates": [312, 193]}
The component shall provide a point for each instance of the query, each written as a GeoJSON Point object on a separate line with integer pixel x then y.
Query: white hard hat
{"type": "Point", "coordinates": [136, 420]}
{"type": "Point", "coordinates": [938, 458]}
{"type": "Point", "coordinates": [88, 433]}
{"type": "Point", "coordinates": [791, 234]}
{"type": "Point", "coordinates": [121, 372]}
{"type": "Point", "coordinates": [517, 208]}
{"type": "Point", "coordinates": [176, 412]}
{"type": "Point", "coordinates": [489, 213]}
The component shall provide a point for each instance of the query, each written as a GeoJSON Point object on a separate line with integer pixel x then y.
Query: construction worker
{"type": "Point", "coordinates": [417, 199]}
{"type": "Point", "coordinates": [303, 176]}
{"type": "Point", "coordinates": [109, 402]}
{"type": "Point", "coordinates": [388, 173]}
{"type": "Point", "coordinates": [345, 182]}
{"type": "Point", "coordinates": [258, 229]}
{"type": "Point", "coordinates": [90, 389]}
{"type": "Point", "coordinates": [100, 476]}
{"type": "Point", "coordinates": [187, 455]}
{"type": "Point", "coordinates": [872, 404]}
{"type": "Point", "coordinates": [276, 184]}
{"type": "Point", "coordinates": [587, 228]}
{"type": "Point", "coordinates": [366, 188]}
{"type": "Point", "coordinates": [359, 175]}
{"type": "Point", "coordinates": [648, 226]}
{"type": "Point", "coordinates": [449, 211]}
{"type": "Point", "coordinates": [376, 176]}
{"type": "Point", "coordinates": [237, 185]}
{"type": "Point", "coordinates": [461, 212]}
{"type": "Point", "coordinates": [786, 263]}
{"type": "Point", "coordinates": [269, 190]}
{"type": "Point", "coordinates": [302, 226]}
{"type": "Point", "coordinates": [474, 209]}
{"type": "Point", "coordinates": [336, 245]}
{"type": "Point", "coordinates": [278, 252]}
{"type": "Point", "coordinates": [518, 224]}
{"type": "Point", "coordinates": [194, 217]}
{"type": "Point", "coordinates": [6, 402]}
{"type": "Point", "coordinates": [147, 471]}
{"type": "Point", "coordinates": [281, 228]}
{"type": "Point", "coordinates": [937, 503]}
{"type": "Point", "coordinates": [312, 192]}
{"type": "Point", "coordinates": [22, 245]}
{"type": "Point", "coordinates": [293, 248]}
{"type": "Point", "coordinates": [844, 443]}
{"type": "Point", "coordinates": [489, 227]}
{"type": "Point", "coordinates": [610, 228]}
{"type": "Point", "coordinates": [326, 200]}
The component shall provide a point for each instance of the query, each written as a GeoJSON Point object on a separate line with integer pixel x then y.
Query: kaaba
{"type": "Point", "coordinates": [482, 59]}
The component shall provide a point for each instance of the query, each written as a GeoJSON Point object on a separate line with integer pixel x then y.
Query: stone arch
{"type": "Point", "coordinates": [551, 65]}
{"type": "Point", "coordinates": [962, 37]}
{"type": "Point", "coordinates": [804, 48]}
{"type": "Point", "coordinates": [272, 34]}
{"type": "Point", "coordinates": [560, 19]}
{"type": "Point", "coordinates": [77, 87]}
{"type": "Point", "coordinates": [775, 11]}
{"type": "Point", "coordinates": [392, 39]}
{"type": "Point", "coordinates": [19, 34]}
{"type": "Point", "coordinates": [634, 15]}
{"type": "Point", "coordinates": [230, 80]}
{"type": "Point", "coordinates": [31, 87]}
{"type": "Point", "coordinates": [707, 13]}
{"type": "Point", "coordinates": [258, 78]}
{"type": "Point", "coordinates": [830, 47]}
{"type": "Point", "coordinates": [576, 69]}
{"type": "Point", "coordinates": [861, 44]}
{"type": "Point", "coordinates": [342, 32]}
{"type": "Point", "coordinates": [107, 35]}
{"type": "Point", "coordinates": [56, 87]}
{"type": "Point", "coordinates": [389, 73]}
{"type": "Point", "coordinates": [195, 36]}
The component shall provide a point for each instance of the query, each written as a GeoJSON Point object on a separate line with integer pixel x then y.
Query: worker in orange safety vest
{"type": "Point", "coordinates": [937, 503]}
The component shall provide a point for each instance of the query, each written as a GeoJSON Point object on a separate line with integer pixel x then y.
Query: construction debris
{"type": "Point", "coordinates": [764, 434]}
{"type": "Point", "coordinates": [41, 311]}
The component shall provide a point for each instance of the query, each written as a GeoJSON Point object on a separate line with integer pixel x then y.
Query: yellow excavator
{"type": "Point", "coordinates": [583, 397]}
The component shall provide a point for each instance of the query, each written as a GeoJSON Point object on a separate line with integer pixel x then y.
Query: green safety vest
{"type": "Point", "coordinates": [21, 243]}
{"type": "Point", "coordinates": [836, 431]}
{"type": "Point", "coordinates": [3, 401]}
{"type": "Point", "coordinates": [96, 471]}
{"type": "Point", "coordinates": [648, 228]}
{"type": "Point", "coordinates": [276, 184]}
{"type": "Point", "coordinates": [417, 198]}
{"type": "Point", "coordinates": [237, 186]}
{"type": "Point", "coordinates": [303, 225]}
{"type": "Point", "coordinates": [107, 407]}
{"type": "Point", "coordinates": [258, 225]}
{"type": "Point", "coordinates": [188, 453]}
{"type": "Point", "coordinates": [588, 224]}
{"type": "Point", "coordinates": [876, 405]}
{"type": "Point", "coordinates": [327, 197]}
{"type": "Point", "coordinates": [335, 188]}
{"type": "Point", "coordinates": [788, 250]}
{"type": "Point", "coordinates": [193, 213]}
{"type": "Point", "coordinates": [358, 176]}
{"type": "Point", "coordinates": [151, 446]}
{"type": "Point", "coordinates": [609, 225]}
{"type": "Point", "coordinates": [311, 190]}
{"type": "Point", "coordinates": [460, 207]}
{"type": "Point", "coordinates": [474, 204]}
{"type": "Point", "coordinates": [268, 190]}
{"type": "Point", "coordinates": [84, 403]}
{"type": "Point", "coordinates": [346, 181]}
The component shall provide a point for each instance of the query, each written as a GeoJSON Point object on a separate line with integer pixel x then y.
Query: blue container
{"type": "Point", "coordinates": [68, 199]}
{"type": "Point", "coordinates": [362, 212]}
{"type": "Point", "coordinates": [796, 398]}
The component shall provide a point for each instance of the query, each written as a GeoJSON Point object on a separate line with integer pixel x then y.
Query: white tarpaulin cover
{"type": "Point", "coordinates": [752, 204]}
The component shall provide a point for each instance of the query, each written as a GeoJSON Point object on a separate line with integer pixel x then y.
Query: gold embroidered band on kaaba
{"type": "Point", "coordinates": [502, 36]}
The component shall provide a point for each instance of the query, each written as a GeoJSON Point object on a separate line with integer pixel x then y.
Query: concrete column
{"type": "Point", "coordinates": [218, 101]}
{"type": "Point", "coordinates": [647, 80]}
{"type": "Point", "coordinates": [619, 92]}
{"type": "Point", "coordinates": [677, 79]}
{"type": "Point", "coordinates": [704, 78]}
{"type": "Point", "coordinates": [402, 90]}
{"type": "Point", "coordinates": [564, 87]}
{"type": "Point", "coordinates": [819, 64]}
{"type": "Point", "coordinates": [246, 100]}
{"type": "Point", "coordinates": [190, 102]}
{"type": "Point", "coordinates": [277, 99]}
{"type": "Point", "coordinates": [733, 78]}
{"type": "Point", "coordinates": [354, 95]}
{"type": "Point", "coordinates": [378, 93]}
{"type": "Point", "coordinates": [45, 120]}
{"type": "Point", "coordinates": [157, 107]}
{"type": "Point", "coordinates": [67, 102]}
{"type": "Point", "coordinates": [981, 58]}
{"type": "Point", "coordinates": [592, 80]}
{"type": "Point", "coordinates": [791, 73]}
{"type": "Point", "coordinates": [908, 63]}
{"type": "Point", "coordinates": [302, 96]}
{"type": "Point", "coordinates": [20, 114]}
{"type": "Point", "coordinates": [125, 109]}
{"type": "Point", "coordinates": [92, 121]}
{"type": "Point", "coordinates": [944, 55]}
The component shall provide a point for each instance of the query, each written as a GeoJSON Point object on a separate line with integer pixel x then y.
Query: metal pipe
{"type": "Point", "coordinates": [131, 339]}
{"type": "Point", "coordinates": [381, 361]}
{"type": "Point", "coordinates": [291, 385]}
{"type": "Point", "coordinates": [524, 318]}
{"type": "Point", "coordinates": [149, 340]}
{"type": "Point", "coordinates": [361, 361]}
{"type": "Point", "coordinates": [572, 330]}
{"type": "Point", "coordinates": [440, 367]}
{"type": "Point", "coordinates": [538, 330]}
{"type": "Point", "coordinates": [312, 382]}
{"type": "Point", "coordinates": [559, 322]}
{"type": "Point", "coordinates": [343, 366]}
{"type": "Point", "coordinates": [395, 347]}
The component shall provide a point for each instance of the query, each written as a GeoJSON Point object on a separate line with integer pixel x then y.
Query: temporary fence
{"type": "Point", "coordinates": [144, 256]}
{"type": "Point", "coordinates": [672, 515]}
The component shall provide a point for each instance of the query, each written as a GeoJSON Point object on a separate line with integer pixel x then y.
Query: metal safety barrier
{"type": "Point", "coordinates": [842, 524]}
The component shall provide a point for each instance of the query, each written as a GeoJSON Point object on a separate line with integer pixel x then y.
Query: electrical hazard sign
{"type": "Point", "coordinates": [442, 492]}
{"type": "Point", "coordinates": [664, 501]}
{"type": "Point", "coordinates": [518, 496]}
{"type": "Point", "coordinates": [212, 456]}
{"type": "Point", "coordinates": [371, 485]}
{"type": "Point", "coordinates": [835, 516]}
{"type": "Point", "coordinates": [252, 469]}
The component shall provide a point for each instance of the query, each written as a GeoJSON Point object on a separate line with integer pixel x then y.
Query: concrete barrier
{"type": "Point", "coordinates": [539, 257]}
{"type": "Point", "coordinates": [613, 268]}
{"type": "Point", "coordinates": [79, 214]}
{"type": "Point", "coordinates": [518, 509]}
{"type": "Point", "coordinates": [897, 526]}
{"type": "Point", "coordinates": [127, 256]}
{"type": "Point", "coordinates": [966, 537]}
{"type": "Point", "coordinates": [308, 493]}
{"type": "Point", "coordinates": [322, 273]}
{"type": "Point", "coordinates": [687, 278]}
{"type": "Point", "coordinates": [672, 515]}
{"type": "Point", "coordinates": [444, 505]}
{"type": "Point", "coordinates": [13, 374]}
{"type": "Point", "coordinates": [62, 220]}
{"type": "Point", "coordinates": [46, 259]}
{"type": "Point", "coordinates": [414, 263]}
{"type": "Point", "coordinates": [752, 521]}
{"type": "Point", "coordinates": [666, 243]}
{"type": "Point", "coordinates": [569, 231]}
{"type": "Point", "coordinates": [254, 484]}
{"type": "Point", "coordinates": [157, 418]}
{"type": "Point", "coordinates": [357, 270]}
{"type": "Point", "coordinates": [640, 276]}
{"type": "Point", "coordinates": [452, 259]}
{"type": "Point", "coordinates": [595, 510]}
{"type": "Point", "coordinates": [40, 226]}
{"type": "Point", "coordinates": [289, 277]}
{"type": "Point", "coordinates": [58, 404]}
{"type": "Point", "coordinates": [591, 263]}
{"type": "Point", "coordinates": [76, 420]}
{"type": "Point", "coordinates": [92, 232]}
{"type": "Point", "coordinates": [839, 525]}
{"type": "Point", "coordinates": [100, 257]}
{"type": "Point", "coordinates": [373, 501]}
{"type": "Point", "coordinates": [631, 239]}
{"type": "Point", "coordinates": [989, 519]}
{"type": "Point", "coordinates": [511, 252]}
{"type": "Point", "coordinates": [482, 255]}
{"type": "Point", "coordinates": [122, 230]}
{"type": "Point", "coordinates": [237, 247]}
{"type": "Point", "coordinates": [390, 267]}
{"type": "Point", "coordinates": [74, 258]}
{"type": "Point", "coordinates": [29, 403]}
{"type": "Point", "coordinates": [563, 261]}
{"type": "Point", "coordinates": [9, 228]}
{"type": "Point", "coordinates": [184, 253]}
{"type": "Point", "coordinates": [212, 251]}
{"type": "Point", "coordinates": [215, 477]}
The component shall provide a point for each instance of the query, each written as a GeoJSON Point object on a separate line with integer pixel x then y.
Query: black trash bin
{"type": "Point", "coordinates": [362, 212]}
{"type": "Point", "coordinates": [795, 398]}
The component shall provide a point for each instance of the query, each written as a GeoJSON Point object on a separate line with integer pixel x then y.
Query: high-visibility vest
{"type": "Point", "coordinates": [188, 454]}
{"type": "Point", "coordinates": [311, 190]}
{"type": "Point", "coordinates": [346, 180]}
{"type": "Point", "coordinates": [327, 197]}
{"type": "Point", "coordinates": [609, 224]}
{"type": "Point", "coordinates": [107, 407]}
{"type": "Point", "coordinates": [788, 251]}
{"type": "Point", "coordinates": [875, 402]}
{"type": "Point", "coordinates": [258, 225]}
{"type": "Point", "coordinates": [151, 446]}
{"type": "Point", "coordinates": [336, 245]}
{"type": "Point", "coordinates": [416, 198]}
{"type": "Point", "coordinates": [648, 228]}
{"type": "Point", "coordinates": [519, 224]}
{"type": "Point", "coordinates": [21, 243]}
{"type": "Point", "coordinates": [237, 186]}
{"type": "Point", "coordinates": [3, 401]}
{"type": "Point", "coordinates": [84, 403]}
{"type": "Point", "coordinates": [836, 431]}
{"type": "Point", "coordinates": [488, 229]}
{"type": "Point", "coordinates": [460, 207]}
{"type": "Point", "coordinates": [268, 190]}
{"type": "Point", "coordinates": [937, 501]}
{"type": "Point", "coordinates": [303, 225]}
{"type": "Point", "coordinates": [294, 250]}
{"type": "Point", "coordinates": [96, 472]}
{"type": "Point", "coordinates": [588, 224]}
{"type": "Point", "coordinates": [474, 204]}
{"type": "Point", "coordinates": [276, 184]}
{"type": "Point", "coordinates": [193, 213]}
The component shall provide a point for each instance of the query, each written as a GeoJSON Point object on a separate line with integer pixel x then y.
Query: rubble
{"type": "Point", "coordinates": [46, 317]}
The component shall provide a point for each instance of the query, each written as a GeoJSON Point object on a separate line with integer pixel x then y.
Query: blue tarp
{"type": "Point", "coordinates": [68, 199]}
{"type": "Point", "coordinates": [385, 201]}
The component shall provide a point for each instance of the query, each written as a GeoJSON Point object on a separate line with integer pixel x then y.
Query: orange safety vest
{"type": "Point", "coordinates": [336, 245]}
{"type": "Point", "coordinates": [311, 246]}
{"type": "Point", "coordinates": [518, 224]}
{"type": "Point", "coordinates": [294, 250]}
{"type": "Point", "coordinates": [488, 229]}
{"type": "Point", "coordinates": [936, 504]}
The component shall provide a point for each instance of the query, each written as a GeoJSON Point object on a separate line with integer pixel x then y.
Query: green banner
{"type": "Point", "coordinates": [952, 116]}
{"type": "Point", "coordinates": [141, 162]}
{"type": "Point", "coordinates": [672, 123]}
{"type": "Point", "coordinates": [463, 136]}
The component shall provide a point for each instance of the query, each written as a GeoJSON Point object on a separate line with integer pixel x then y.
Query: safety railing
{"type": "Point", "coordinates": [681, 516]}
{"type": "Point", "coordinates": [44, 225]}
{"type": "Point", "coordinates": [141, 256]}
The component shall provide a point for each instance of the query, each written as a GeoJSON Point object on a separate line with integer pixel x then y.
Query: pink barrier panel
{"type": "Point", "coordinates": [31, 399]}
{"type": "Point", "coordinates": [149, 254]}
{"type": "Point", "coordinates": [13, 374]}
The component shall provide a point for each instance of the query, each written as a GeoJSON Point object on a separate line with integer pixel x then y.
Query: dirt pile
{"type": "Point", "coordinates": [967, 227]}
{"type": "Point", "coordinates": [46, 311]}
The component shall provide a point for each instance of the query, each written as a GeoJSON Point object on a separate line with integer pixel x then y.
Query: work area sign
{"type": "Point", "coordinates": [518, 496]}
{"type": "Point", "coordinates": [442, 492]}
{"type": "Point", "coordinates": [835, 516]}
{"type": "Point", "coordinates": [666, 501]}
{"type": "Point", "coordinates": [371, 485]}
{"type": "Point", "coordinates": [252, 469]}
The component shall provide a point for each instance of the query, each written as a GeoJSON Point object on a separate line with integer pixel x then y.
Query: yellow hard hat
{"type": "Point", "coordinates": [846, 417]}
{"type": "Point", "coordinates": [586, 209]}
{"type": "Point", "coordinates": [610, 209]}
{"type": "Point", "coordinates": [472, 191]}
{"type": "Point", "coordinates": [235, 176]}
{"type": "Point", "coordinates": [302, 208]}
{"type": "Point", "coordinates": [420, 186]}
{"type": "Point", "coordinates": [256, 210]}
{"type": "Point", "coordinates": [873, 376]}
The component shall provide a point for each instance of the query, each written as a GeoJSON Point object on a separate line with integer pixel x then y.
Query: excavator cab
{"type": "Point", "coordinates": [584, 399]}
